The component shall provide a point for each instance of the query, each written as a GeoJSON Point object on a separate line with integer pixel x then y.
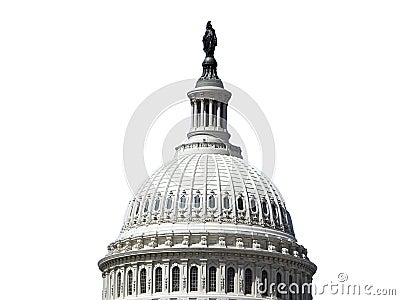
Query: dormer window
{"type": "Point", "coordinates": [146, 205]}
{"type": "Point", "coordinates": [156, 206]}
{"type": "Point", "coordinates": [253, 204]}
{"type": "Point", "coordinates": [197, 199]}
{"type": "Point", "coordinates": [211, 200]}
{"type": "Point", "coordinates": [182, 201]}
{"type": "Point", "coordinates": [168, 205]}
{"type": "Point", "coordinates": [226, 201]}
{"type": "Point", "coordinates": [240, 203]}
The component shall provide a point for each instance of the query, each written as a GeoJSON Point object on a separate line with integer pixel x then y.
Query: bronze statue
{"type": "Point", "coordinates": [209, 40]}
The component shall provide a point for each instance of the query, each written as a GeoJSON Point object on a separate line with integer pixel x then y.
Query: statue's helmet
{"type": "Point", "coordinates": [209, 25]}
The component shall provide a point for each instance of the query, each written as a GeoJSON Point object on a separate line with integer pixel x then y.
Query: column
{"type": "Point", "coordinates": [221, 280]}
{"type": "Point", "coordinates": [219, 114]}
{"type": "Point", "coordinates": [210, 113]}
{"type": "Point", "coordinates": [135, 281]}
{"type": "Point", "coordinates": [166, 276]}
{"type": "Point", "coordinates": [149, 278]}
{"type": "Point", "coordinates": [240, 280]}
{"type": "Point", "coordinates": [202, 113]}
{"type": "Point", "coordinates": [104, 294]}
{"type": "Point", "coordinates": [192, 115]}
{"type": "Point", "coordinates": [203, 275]}
{"type": "Point", "coordinates": [184, 276]}
{"type": "Point", "coordinates": [258, 280]}
{"type": "Point", "coordinates": [195, 115]}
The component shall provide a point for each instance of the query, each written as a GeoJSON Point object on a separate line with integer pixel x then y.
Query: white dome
{"type": "Point", "coordinates": [207, 188]}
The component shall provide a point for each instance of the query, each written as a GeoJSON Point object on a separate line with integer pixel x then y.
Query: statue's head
{"type": "Point", "coordinates": [209, 26]}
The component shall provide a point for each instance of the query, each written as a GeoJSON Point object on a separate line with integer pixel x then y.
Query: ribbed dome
{"type": "Point", "coordinates": [207, 188]}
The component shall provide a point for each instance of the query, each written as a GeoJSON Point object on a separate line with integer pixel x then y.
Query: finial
{"type": "Point", "coordinates": [209, 63]}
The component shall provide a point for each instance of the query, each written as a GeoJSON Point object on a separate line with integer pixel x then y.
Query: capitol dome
{"type": "Point", "coordinates": [206, 225]}
{"type": "Point", "coordinates": [207, 192]}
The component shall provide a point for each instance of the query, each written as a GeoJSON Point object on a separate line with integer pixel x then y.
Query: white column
{"type": "Point", "coordinates": [203, 275]}
{"type": "Point", "coordinates": [202, 113]}
{"type": "Point", "coordinates": [210, 113]}
{"type": "Point", "coordinates": [184, 275]}
{"type": "Point", "coordinates": [192, 115]}
{"type": "Point", "coordinates": [219, 114]}
{"type": "Point", "coordinates": [135, 281]}
{"type": "Point", "coordinates": [221, 280]}
{"type": "Point", "coordinates": [195, 115]}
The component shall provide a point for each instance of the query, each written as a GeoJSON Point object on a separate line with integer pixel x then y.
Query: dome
{"type": "Point", "coordinates": [206, 225]}
{"type": "Point", "coordinates": [207, 188]}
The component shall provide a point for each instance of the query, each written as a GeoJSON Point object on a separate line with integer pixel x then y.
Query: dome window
{"type": "Point", "coordinates": [240, 203]}
{"type": "Point", "coordinates": [264, 207]}
{"type": "Point", "coordinates": [137, 208]}
{"type": "Point", "coordinates": [253, 204]}
{"type": "Point", "coordinates": [130, 281]}
{"type": "Point", "coordinates": [143, 281]}
{"type": "Point", "coordinates": [230, 280]}
{"type": "Point", "coordinates": [146, 206]}
{"type": "Point", "coordinates": [119, 284]}
{"type": "Point", "coordinates": [248, 280]}
{"type": "Point", "coordinates": [158, 280]}
{"type": "Point", "coordinates": [226, 201]}
{"type": "Point", "coordinates": [211, 201]}
{"type": "Point", "coordinates": [197, 201]}
{"type": "Point", "coordinates": [157, 204]}
{"type": "Point", "coordinates": [182, 202]}
{"type": "Point", "coordinates": [264, 282]}
{"type": "Point", "coordinates": [169, 201]}
{"type": "Point", "coordinates": [212, 279]}
{"type": "Point", "coordinates": [175, 279]}
{"type": "Point", "coordinates": [194, 277]}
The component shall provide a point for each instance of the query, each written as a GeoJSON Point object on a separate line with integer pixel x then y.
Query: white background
{"type": "Point", "coordinates": [325, 73]}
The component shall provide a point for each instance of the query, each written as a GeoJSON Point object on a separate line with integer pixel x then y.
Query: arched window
{"type": "Point", "coordinates": [226, 202]}
{"type": "Point", "coordinates": [156, 204]}
{"type": "Point", "coordinates": [230, 280]}
{"type": "Point", "coordinates": [197, 201]}
{"type": "Point", "coordinates": [248, 281]}
{"type": "Point", "coordinates": [143, 281]}
{"type": "Point", "coordinates": [130, 282]}
{"type": "Point", "coordinates": [119, 284]}
{"type": "Point", "coordinates": [240, 203]}
{"type": "Point", "coordinates": [278, 288]}
{"type": "Point", "coordinates": [253, 204]}
{"type": "Point", "coordinates": [137, 208]}
{"type": "Point", "coordinates": [175, 279]}
{"type": "Point", "coordinates": [264, 282]}
{"type": "Point", "coordinates": [158, 280]}
{"type": "Point", "coordinates": [211, 201]}
{"type": "Point", "coordinates": [212, 279]}
{"type": "Point", "coordinates": [182, 202]}
{"type": "Point", "coordinates": [194, 278]}
{"type": "Point", "coordinates": [265, 208]}
{"type": "Point", "coordinates": [169, 202]}
{"type": "Point", "coordinates": [146, 205]}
